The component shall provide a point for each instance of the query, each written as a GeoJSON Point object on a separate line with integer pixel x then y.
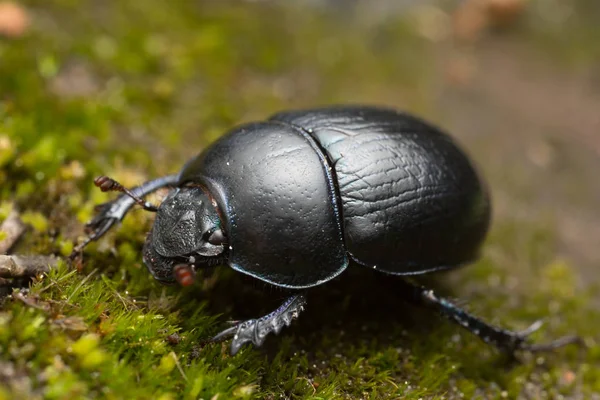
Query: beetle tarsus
{"type": "Point", "coordinates": [544, 347]}
{"type": "Point", "coordinates": [504, 339]}
{"type": "Point", "coordinates": [256, 330]}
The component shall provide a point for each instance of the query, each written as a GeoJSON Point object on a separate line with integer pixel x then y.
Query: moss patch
{"type": "Point", "coordinates": [132, 89]}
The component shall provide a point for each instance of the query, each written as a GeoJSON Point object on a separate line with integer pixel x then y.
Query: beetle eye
{"type": "Point", "coordinates": [216, 237]}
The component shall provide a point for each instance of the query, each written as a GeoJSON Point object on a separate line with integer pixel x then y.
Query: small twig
{"type": "Point", "coordinates": [303, 378]}
{"type": "Point", "coordinates": [31, 302]}
{"type": "Point", "coordinates": [25, 266]}
{"type": "Point", "coordinates": [14, 228]}
{"type": "Point", "coordinates": [71, 323]}
{"type": "Point", "coordinates": [178, 365]}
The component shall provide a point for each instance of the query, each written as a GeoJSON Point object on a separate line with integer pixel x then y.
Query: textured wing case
{"type": "Point", "coordinates": [271, 182]}
{"type": "Point", "coordinates": [411, 201]}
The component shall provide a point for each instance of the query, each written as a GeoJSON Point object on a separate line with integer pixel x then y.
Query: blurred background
{"type": "Point", "coordinates": [132, 89]}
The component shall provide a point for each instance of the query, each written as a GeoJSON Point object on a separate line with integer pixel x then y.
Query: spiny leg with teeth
{"type": "Point", "coordinates": [256, 330]}
{"type": "Point", "coordinates": [108, 214]}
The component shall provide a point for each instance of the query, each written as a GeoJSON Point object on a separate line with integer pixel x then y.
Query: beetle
{"type": "Point", "coordinates": [296, 199]}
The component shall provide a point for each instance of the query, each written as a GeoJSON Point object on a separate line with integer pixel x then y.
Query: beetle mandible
{"type": "Point", "coordinates": [294, 200]}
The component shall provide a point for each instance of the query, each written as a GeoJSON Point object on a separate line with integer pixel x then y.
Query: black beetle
{"type": "Point", "coordinates": [293, 200]}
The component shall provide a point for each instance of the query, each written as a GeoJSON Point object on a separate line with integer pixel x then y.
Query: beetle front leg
{"type": "Point", "coordinates": [111, 212]}
{"type": "Point", "coordinates": [256, 330]}
{"type": "Point", "coordinates": [505, 340]}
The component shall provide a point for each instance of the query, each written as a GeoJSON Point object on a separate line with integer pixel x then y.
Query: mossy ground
{"type": "Point", "coordinates": [132, 89]}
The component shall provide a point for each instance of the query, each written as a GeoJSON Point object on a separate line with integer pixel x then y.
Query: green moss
{"type": "Point", "coordinates": [36, 220]}
{"type": "Point", "coordinates": [132, 89]}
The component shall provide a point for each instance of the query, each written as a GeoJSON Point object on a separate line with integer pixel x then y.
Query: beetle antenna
{"type": "Point", "coordinates": [107, 184]}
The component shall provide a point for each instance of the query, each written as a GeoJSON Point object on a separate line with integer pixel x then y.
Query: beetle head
{"type": "Point", "coordinates": [186, 231]}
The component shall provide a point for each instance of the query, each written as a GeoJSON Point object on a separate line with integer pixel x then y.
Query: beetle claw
{"type": "Point", "coordinates": [95, 228]}
{"type": "Point", "coordinates": [227, 333]}
{"type": "Point", "coordinates": [553, 345]}
{"type": "Point", "coordinates": [523, 344]}
{"type": "Point", "coordinates": [531, 329]}
{"type": "Point", "coordinates": [256, 330]}
{"type": "Point", "coordinates": [100, 207]}
{"type": "Point", "coordinates": [108, 214]}
{"type": "Point", "coordinates": [99, 226]}
{"type": "Point", "coordinates": [541, 347]}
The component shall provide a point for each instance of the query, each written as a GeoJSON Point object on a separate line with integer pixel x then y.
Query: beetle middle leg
{"type": "Point", "coordinates": [256, 330]}
{"type": "Point", "coordinates": [504, 339]}
{"type": "Point", "coordinates": [109, 213]}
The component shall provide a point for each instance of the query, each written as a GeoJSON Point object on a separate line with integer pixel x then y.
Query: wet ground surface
{"type": "Point", "coordinates": [536, 130]}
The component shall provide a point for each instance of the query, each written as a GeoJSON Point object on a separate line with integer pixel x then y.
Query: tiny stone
{"type": "Point", "coordinates": [174, 339]}
{"type": "Point", "coordinates": [540, 360]}
{"type": "Point", "coordinates": [546, 376]}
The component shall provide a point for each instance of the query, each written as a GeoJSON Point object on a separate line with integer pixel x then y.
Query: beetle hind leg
{"type": "Point", "coordinates": [504, 339]}
{"type": "Point", "coordinates": [256, 330]}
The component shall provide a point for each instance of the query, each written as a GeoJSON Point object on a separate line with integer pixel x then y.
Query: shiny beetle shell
{"type": "Point", "coordinates": [305, 192]}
